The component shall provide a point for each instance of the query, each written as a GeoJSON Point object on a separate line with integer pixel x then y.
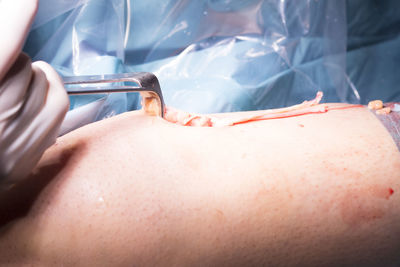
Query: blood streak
{"type": "Point", "coordinates": [307, 107]}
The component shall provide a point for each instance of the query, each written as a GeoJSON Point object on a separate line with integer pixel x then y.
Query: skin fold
{"type": "Point", "coordinates": [135, 190]}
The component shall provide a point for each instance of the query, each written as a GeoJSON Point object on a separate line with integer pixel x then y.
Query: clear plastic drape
{"type": "Point", "coordinates": [226, 55]}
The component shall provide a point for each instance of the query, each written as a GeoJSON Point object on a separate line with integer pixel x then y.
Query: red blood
{"type": "Point", "coordinates": [362, 205]}
{"type": "Point", "coordinates": [391, 191]}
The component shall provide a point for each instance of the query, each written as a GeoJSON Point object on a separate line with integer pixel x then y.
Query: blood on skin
{"type": "Point", "coordinates": [382, 192]}
{"type": "Point", "coordinates": [391, 192]}
{"type": "Point", "coordinates": [363, 205]}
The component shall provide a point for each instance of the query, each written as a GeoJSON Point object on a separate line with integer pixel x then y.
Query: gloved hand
{"type": "Point", "coordinates": [33, 101]}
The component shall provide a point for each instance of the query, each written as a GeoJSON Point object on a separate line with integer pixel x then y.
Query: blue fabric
{"type": "Point", "coordinates": [373, 48]}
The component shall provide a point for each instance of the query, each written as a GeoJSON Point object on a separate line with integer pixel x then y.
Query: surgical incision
{"type": "Point", "coordinates": [307, 107]}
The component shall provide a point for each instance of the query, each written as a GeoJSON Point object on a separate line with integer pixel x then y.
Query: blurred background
{"type": "Point", "coordinates": [225, 55]}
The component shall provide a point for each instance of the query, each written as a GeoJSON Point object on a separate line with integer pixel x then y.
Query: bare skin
{"type": "Point", "coordinates": [134, 190]}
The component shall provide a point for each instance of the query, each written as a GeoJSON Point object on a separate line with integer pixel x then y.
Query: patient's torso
{"type": "Point", "coordinates": [137, 189]}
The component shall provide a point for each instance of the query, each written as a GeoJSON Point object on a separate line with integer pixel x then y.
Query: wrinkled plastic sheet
{"type": "Point", "coordinates": [225, 55]}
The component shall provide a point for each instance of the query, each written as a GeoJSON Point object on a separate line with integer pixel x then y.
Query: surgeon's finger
{"type": "Point", "coordinates": [16, 16]}
{"type": "Point", "coordinates": [21, 126]}
{"type": "Point", "coordinates": [49, 106]}
{"type": "Point", "coordinates": [57, 101]}
{"type": "Point", "coordinates": [55, 107]}
{"type": "Point", "coordinates": [23, 140]}
{"type": "Point", "coordinates": [13, 88]}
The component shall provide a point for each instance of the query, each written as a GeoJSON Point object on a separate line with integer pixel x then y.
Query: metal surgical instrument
{"type": "Point", "coordinates": [146, 84]}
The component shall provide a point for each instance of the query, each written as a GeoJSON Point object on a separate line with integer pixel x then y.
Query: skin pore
{"type": "Point", "coordinates": [135, 190]}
